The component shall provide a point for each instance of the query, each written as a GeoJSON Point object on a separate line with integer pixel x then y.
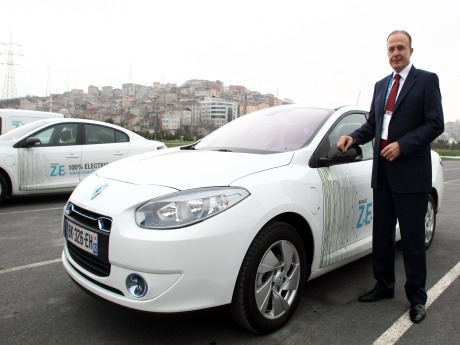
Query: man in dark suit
{"type": "Point", "coordinates": [403, 123]}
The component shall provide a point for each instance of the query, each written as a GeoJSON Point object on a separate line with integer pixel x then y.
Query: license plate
{"type": "Point", "coordinates": [81, 237]}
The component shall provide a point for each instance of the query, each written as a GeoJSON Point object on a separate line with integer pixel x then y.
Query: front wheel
{"type": "Point", "coordinates": [430, 222]}
{"type": "Point", "coordinates": [271, 279]}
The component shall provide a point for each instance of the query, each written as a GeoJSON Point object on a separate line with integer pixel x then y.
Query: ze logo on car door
{"type": "Point", "coordinates": [365, 213]}
{"type": "Point", "coordinates": [57, 170]}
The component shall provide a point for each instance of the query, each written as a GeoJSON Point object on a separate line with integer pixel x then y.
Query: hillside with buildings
{"type": "Point", "coordinates": [191, 110]}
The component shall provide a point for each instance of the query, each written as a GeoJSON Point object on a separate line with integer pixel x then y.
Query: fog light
{"type": "Point", "coordinates": [136, 285]}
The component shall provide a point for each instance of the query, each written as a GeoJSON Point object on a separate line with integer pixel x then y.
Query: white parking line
{"type": "Point", "coordinates": [392, 335]}
{"type": "Point", "coordinates": [37, 264]}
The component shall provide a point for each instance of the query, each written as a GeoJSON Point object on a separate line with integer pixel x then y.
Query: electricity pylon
{"type": "Point", "coordinates": [9, 84]}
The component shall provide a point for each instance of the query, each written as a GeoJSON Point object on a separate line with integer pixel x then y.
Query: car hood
{"type": "Point", "coordinates": [184, 169]}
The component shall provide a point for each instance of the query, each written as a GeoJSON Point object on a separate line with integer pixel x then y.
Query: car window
{"type": "Point", "coordinates": [45, 135]}
{"type": "Point", "coordinates": [345, 126]}
{"type": "Point", "coordinates": [97, 134]}
{"type": "Point", "coordinates": [121, 137]}
{"type": "Point", "coordinates": [58, 135]}
{"type": "Point", "coordinates": [349, 124]}
{"type": "Point", "coordinates": [68, 135]}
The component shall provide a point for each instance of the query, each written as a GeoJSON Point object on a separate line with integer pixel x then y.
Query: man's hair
{"type": "Point", "coordinates": [401, 32]}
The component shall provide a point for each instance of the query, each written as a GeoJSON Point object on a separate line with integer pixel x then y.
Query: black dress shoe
{"type": "Point", "coordinates": [375, 295]}
{"type": "Point", "coordinates": [417, 313]}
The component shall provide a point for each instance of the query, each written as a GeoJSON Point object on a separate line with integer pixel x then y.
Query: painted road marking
{"type": "Point", "coordinates": [396, 331]}
{"type": "Point", "coordinates": [37, 264]}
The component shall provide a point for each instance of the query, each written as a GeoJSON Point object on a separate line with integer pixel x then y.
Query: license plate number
{"type": "Point", "coordinates": [82, 238]}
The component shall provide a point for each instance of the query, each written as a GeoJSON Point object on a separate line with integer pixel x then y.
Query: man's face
{"type": "Point", "coordinates": [399, 51]}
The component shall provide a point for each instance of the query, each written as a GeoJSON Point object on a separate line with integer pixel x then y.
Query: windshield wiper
{"type": "Point", "coordinates": [189, 147]}
{"type": "Point", "coordinates": [224, 150]}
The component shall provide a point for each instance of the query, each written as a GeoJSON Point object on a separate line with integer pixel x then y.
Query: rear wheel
{"type": "Point", "coordinates": [271, 280]}
{"type": "Point", "coordinates": [3, 188]}
{"type": "Point", "coordinates": [430, 221]}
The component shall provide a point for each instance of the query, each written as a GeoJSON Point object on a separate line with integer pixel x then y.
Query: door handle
{"type": "Point", "coordinates": [72, 155]}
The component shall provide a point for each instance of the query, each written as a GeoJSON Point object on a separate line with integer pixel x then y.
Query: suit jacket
{"type": "Point", "coordinates": [416, 121]}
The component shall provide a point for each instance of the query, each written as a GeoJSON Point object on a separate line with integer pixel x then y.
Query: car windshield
{"type": "Point", "coordinates": [22, 130]}
{"type": "Point", "coordinates": [271, 130]}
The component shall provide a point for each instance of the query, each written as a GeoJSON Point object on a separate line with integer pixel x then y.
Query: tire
{"type": "Point", "coordinates": [271, 279]}
{"type": "Point", "coordinates": [3, 189]}
{"type": "Point", "coordinates": [430, 222]}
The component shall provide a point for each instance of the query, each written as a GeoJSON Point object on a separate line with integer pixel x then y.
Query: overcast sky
{"type": "Point", "coordinates": [319, 52]}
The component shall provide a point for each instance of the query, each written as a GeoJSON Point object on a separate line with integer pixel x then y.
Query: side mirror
{"type": "Point", "coordinates": [336, 156]}
{"type": "Point", "coordinates": [33, 141]}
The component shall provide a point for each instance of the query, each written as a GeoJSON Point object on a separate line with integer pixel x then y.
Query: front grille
{"type": "Point", "coordinates": [98, 265]}
{"type": "Point", "coordinates": [88, 219]}
{"type": "Point", "coordinates": [88, 261]}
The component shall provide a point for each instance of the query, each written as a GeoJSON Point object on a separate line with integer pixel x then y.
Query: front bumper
{"type": "Point", "coordinates": [191, 268]}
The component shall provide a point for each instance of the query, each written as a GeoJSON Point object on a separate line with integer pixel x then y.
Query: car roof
{"type": "Point", "coordinates": [67, 119]}
{"type": "Point", "coordinates": [326, 106]}
{"type": "Point", "coordinates": [78, 120]}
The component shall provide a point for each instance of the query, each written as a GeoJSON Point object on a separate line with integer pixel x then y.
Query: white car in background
{"type": "Point", "coordinates": [243, 217]}
{"type": "Point", "coordinates": [54, 155]}
{"type": "Point", "coordinates": [14, 118]}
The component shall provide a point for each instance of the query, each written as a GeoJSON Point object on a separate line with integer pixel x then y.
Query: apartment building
{"type": "Point", "coordinates": [217, 112]}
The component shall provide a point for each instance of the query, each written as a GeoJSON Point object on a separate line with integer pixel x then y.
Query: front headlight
{"type": "Point", "coordinates": [184, 208]}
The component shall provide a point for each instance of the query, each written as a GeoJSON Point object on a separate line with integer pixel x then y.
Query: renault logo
{"type": "Point", "coordinates": [98, 191]}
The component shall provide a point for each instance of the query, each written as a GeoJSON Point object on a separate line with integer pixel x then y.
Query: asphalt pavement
{"type": "Point", "coordinates": [39, 304]}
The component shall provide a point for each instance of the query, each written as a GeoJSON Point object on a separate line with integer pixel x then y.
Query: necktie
{"type": "Point", "coordinates": [393, 93]}
{"type": "Point", "coordinates": [391, 104]}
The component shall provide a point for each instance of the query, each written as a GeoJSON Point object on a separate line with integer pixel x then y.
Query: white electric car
{"type": "Point", "coordinates": [54, 155]}
{"type": "Point", "coordinates": [243, 217]}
